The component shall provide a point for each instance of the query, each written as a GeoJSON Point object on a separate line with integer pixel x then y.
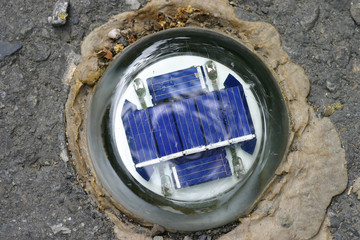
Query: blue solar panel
{"type": "Point", "coordinates": [246, 108]}
{"type": "Point", "coordinates": [234, 112]}
{"type": "Point", "coordinates": [165, 129]}
{"type": "Point", "coordinates": [188, 125]}
{"type": "Point", "coordinates": [183, 82]}
{"type": "Point", "coordinates": [140, 137]}
{"type": "Point", "coordinates": [192, 131]}
{"type": "Point", "coordinates": [201, 170]}
{"type": "Point", "coordinates": [211, 118]}
{"type": "Point", "coordinates": [139, 134]}
{"type": "Point", "coordinates": [248, 146]}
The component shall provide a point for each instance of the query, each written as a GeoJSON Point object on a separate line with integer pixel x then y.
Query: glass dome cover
{"type": "Point", "coordinates": [187, 119]}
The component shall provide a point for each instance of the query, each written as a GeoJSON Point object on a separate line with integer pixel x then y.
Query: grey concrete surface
{"type": "Point", "coordinates": [39, 197]}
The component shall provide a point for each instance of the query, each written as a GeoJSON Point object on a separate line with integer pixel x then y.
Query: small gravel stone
{"type": "Point", "coordinates": [64, 155]}
{"type": "Point", "coordinates": [59, 14]}
{"type": "Point", "coordinates": [335, 222]}
{"type": "Point", "coordinates": [337, 236]}
{"type": "Point", "coordinates": [123, 41]}
{"type": "Point", "coordinates": [157, 229]}
{"type": "Point", "coordinates": [158, 238]}
{"type": "Point", "coordinates": [205, 237]}
{"type": "Point", "coordinates": [330, 86]}
{"type": "Point", "coordinates": [134, 4]}
{"type": "Point", "coordinates": [39, 52]}
{"type": "Point", "coordinates": [45, 33]}
{"type": "Point", "coordinates": [7, 49]}
{"type": "Point", "coordinates": [60, 228]}
{"type": "Point", "coordinates": [309, 21]}
{"type": "Point", "coordinates": [355, 11]}
{"type": "Point", "coordinates": [76, 21]}
{"type": "Point", "coordinates": [114, 34]}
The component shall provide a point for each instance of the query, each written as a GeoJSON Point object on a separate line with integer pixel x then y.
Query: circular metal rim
{"type": "Point", "coordinates": [162, 215]}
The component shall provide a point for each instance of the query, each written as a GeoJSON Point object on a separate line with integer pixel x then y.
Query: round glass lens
{"type": "Point", "coordinates": [185, 125]}
{"type": "Point", "coordinates": [186, 129]}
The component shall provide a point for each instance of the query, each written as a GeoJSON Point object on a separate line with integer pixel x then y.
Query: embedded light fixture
{"type": "Point", "coordinates": [186, 128]}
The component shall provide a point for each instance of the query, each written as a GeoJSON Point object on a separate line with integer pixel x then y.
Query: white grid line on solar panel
{"type": "Point", "coordinates": [243, 107]}
{"type": "Point", "coordinates": [196, 150]}
{"type": "Point", "coordinates": [227, 115]}
{"type": "Point", "coordinates": [132, 133]}
{"type": "Point", "coordinates": [203, 170]}
{"type": "Point", "coordinates": [172, 130]}
{"type": "Point", "coordinates": [147, 142]}
{"type": "Point", "coordinates": [209, 175]}
{"type": "Point", "coordinates": [193, 80]}
{"type": "Point", "coordinates": [242, 138]}
{"type": "Point", "coordinates": [175, 91]}
{"type": "Point", "coordinates": [158, 160]}
{"type": "Point", "coordinates": [218, 144]}
{"type": "Point", "coordinates": [172, 156]}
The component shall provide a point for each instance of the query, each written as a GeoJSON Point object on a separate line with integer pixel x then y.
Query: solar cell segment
{"type": "Point", "coordinates": [139, 134]}
{"type": "Point", "coordinates": [140, 137]}
{"type": "Point", "coordinates": [211, 118]}
{"type": "Point", "coordinates": [188, 124]}
{"type": "Point", "coordinates": [246, 109]}
{"type": "Point", "coordinates": [183, 82]}
{"type": "Point", "coordinates": [235, 116]}
{"type": "Point", "coordinates": [165, 131]}
{"type": "Point", "coordinates": [248, 146]}
{"type": "Point", "coordinates": [201, 170]}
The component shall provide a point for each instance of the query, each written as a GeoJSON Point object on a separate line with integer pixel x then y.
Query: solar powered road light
{"type": "Point", "coordinates": [186, 128]}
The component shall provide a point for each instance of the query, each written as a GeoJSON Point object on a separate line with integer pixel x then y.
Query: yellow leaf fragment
{"type": "Point", "coordinates": [338, 106]}
{"type": "Point", "coordinates": [118, 47]}
{"type": "Point", "coordinates": [330, 109]}
{"type": "Point", "coordinates": [63, 15]}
